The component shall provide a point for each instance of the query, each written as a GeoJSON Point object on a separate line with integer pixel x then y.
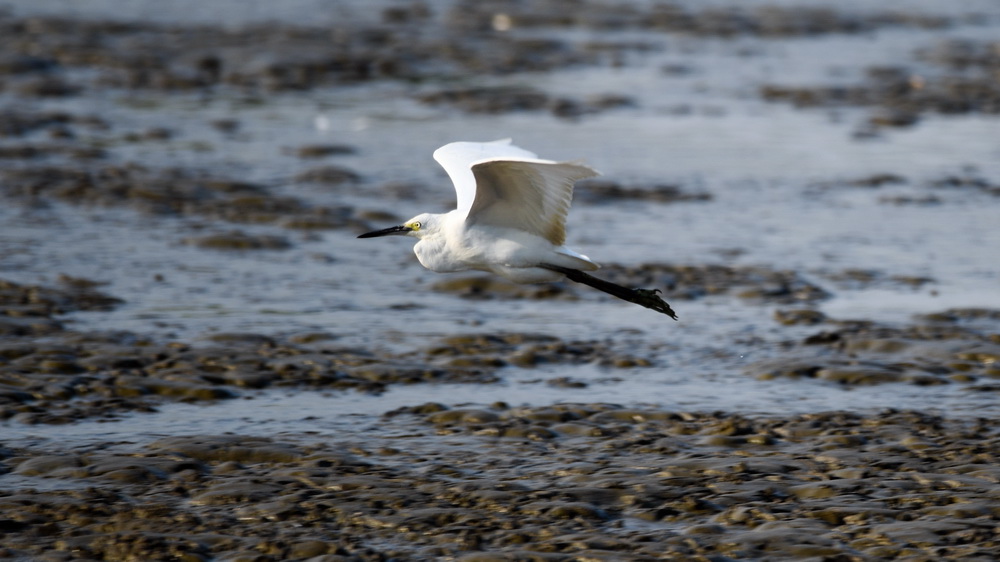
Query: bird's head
{"type": "Point", "coordinates": [418, 227]}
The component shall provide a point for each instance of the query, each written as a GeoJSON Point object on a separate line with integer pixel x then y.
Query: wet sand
{"type": "Point", "coordinates": [568, 482]}
{"type": "Point", "coordinates": [198, 361]}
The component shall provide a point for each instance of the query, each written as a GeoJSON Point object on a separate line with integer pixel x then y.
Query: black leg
{"type": "Point", "coordinates": [643, 297]}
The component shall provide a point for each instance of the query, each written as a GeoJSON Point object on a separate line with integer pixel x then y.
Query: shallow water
{"type": "Point", "coordinates": [773, 172]}
{"type": "Point", "coordinates": [348, 415]}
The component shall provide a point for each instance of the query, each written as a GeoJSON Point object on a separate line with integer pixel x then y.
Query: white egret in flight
{"type": "Point", "coordinates": [510, 220]}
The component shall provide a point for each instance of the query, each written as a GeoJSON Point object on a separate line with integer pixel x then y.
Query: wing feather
{"type": "Point", "coordinates": [457, 159]}
{"type": "Point", "coordinates": [527, 194]}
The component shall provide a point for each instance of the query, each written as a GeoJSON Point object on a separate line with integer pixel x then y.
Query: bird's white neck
{"type": "Point", "coordinates": [437, 243]}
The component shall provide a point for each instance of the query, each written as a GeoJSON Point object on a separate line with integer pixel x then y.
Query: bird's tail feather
{"type": "Point", "coordinates": [643, 297]}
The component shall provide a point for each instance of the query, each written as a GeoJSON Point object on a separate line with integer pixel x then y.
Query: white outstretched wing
{"type": "Point", "coordinates": [499, 184]}
{"type": "Point", "coordinates": [457, 159]}
{"type": "Point", "coordinates": [529, 195]}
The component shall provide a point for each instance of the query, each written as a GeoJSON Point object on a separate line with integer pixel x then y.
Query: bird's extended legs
{"type": "Point", "coordinates": [648, 298]}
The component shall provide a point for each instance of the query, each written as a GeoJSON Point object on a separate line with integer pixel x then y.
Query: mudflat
{"type": "Point", "coordinates": [198, 360]}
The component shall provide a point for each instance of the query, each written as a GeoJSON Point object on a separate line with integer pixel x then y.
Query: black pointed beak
{"type": "Point", "coordinates": [399, 230]}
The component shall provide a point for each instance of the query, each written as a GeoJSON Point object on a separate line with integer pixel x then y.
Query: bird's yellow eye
{"type": "Point", "coordinates": [415, 225]}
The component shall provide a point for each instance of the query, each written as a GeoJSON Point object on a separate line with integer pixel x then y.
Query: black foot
{"type": "Point", "coordinates": [650, 299]}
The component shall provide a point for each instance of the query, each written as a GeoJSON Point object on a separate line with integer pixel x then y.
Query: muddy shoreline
{"type": "Point", "coordinates": [559, 482]}
{"type": "Point", "coordinates": [566, 482]}
{"type": "Point", "coordinates": [179, 203]}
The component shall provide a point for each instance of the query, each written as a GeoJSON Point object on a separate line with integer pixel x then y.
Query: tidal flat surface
{"type": "Point", "coordinates": [189, 321]}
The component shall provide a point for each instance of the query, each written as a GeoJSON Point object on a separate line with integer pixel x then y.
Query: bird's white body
{"type": "Point", "coordinates": [511, 215]}
{"type": "Point", "coordinates": [508, 252]}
